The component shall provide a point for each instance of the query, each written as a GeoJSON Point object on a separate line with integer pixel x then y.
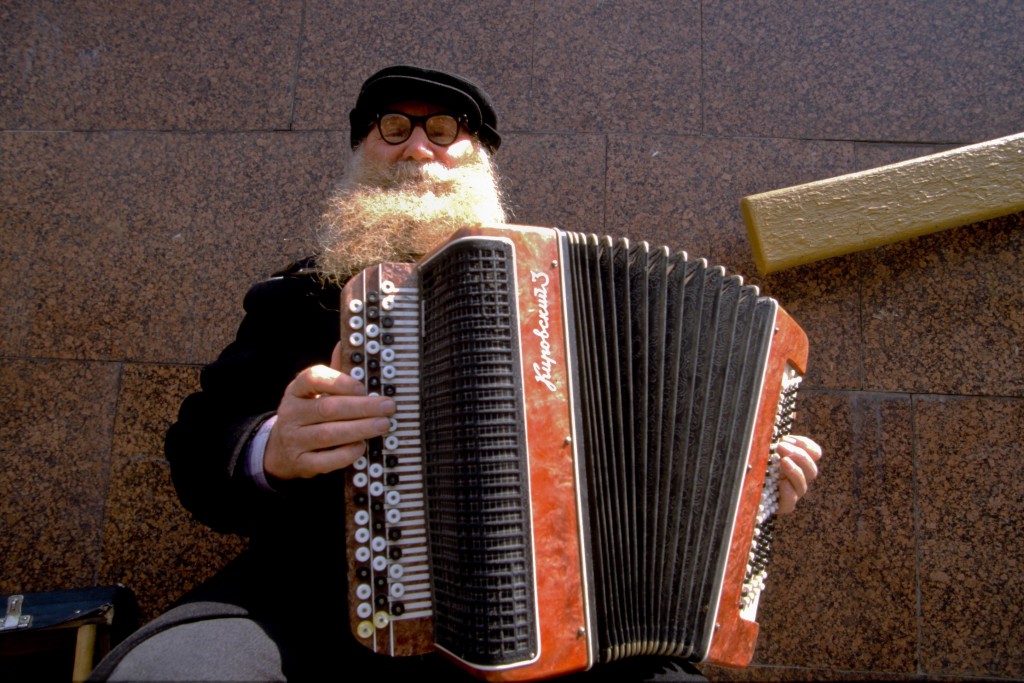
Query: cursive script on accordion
{"type": "Point", "coordinates": [581, 467]}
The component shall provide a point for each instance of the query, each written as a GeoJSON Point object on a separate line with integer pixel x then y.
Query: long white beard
{"type": "Point", "coordinates": [397, 212]}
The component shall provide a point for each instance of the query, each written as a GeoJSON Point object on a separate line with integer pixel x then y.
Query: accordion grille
{"type": "Point", "coordinates": [477, 481]}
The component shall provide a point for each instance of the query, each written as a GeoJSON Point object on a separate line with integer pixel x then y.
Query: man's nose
{"type": "Point", "coordinates": [418, 147]}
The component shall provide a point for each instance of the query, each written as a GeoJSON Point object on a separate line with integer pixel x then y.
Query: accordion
{"type": "Point", "coordinates": [581, 465]}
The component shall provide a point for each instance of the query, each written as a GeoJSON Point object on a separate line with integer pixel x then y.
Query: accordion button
{"type": "Point", "coordinates": [364, 610]}
{"type": "Point", "coordinates": [376, 470]}
{"type": "Point", "coordinates": [362, 535]}
{"type": "Point", "coordinates": [389, 372]}
{"type": "Point", "coordinates": [372, 346]}
{"type": "Point", "coordinates": [356, 322]}
{"type": "Point", "coordinates": [389, 390]}
{"type": "Point", "coordinates": [394, 498]}
{"type": "Point", "coordinates": [372, 297]}
{"type": "Point", "coordinates": [364, 629]}
{"type": "Point", "coordinates": [398, 609]}
{"type": "Point", "coordinates": [372, 313]}
{"type": "Point", "coordinates": [395, 553]}
{"type": "Point", "coordinates": [394, 533]}
{"type": "Point", "coordinates": [376, 488]}
{"type": "Point", "coordinates": [363, 591]}
{"type": "Point", "coordinates": [388, 287]}
{"type": "Point", "coordinates": [394, 516]}
{"type": "Point", "coordinates": [357, 358]}
{"type": "Point", "coordinates": [378, 544]}
{"type": "Point", "coordinates": [360, 463]}
{"type": "Point", "coordinates": [387, 303]}
{"type": "Point", "coordinates": [357, 373]}
{"type": "Point", "coordinates": [391, 443]}
{"type": "Point", "coordinates": [380, 563]}
{"type": "Point", "coordinates": [396, 571]}
{"type": "Point", "coordinates": [388, 338]}
{"type": "Point", "coordinates": [381, 619]}
{"type": "Point", "coordinates": [362, 517]}
{"type": "Point", "coordinates": [373, 364]}
{"type": "Point", "coordinates": [372, 331]}
{"type": "Point", "coordinates": [359, 479]}
{"type": "Point", "coordinates": [397, 589]}
{"type": "Point", "coordinates": [355, 306]}
{"type": "Point", "coordinates": [387, 321]}
{"type": "Point", "coordinates": [387, 355]}
{"type": "Point", "coordinates": [355, 339]}
{"type": "Point", "coordinates": [362, 554]}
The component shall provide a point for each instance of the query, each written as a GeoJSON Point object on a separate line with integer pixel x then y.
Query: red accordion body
{"type": "Point", "coordinates": [576, 471]}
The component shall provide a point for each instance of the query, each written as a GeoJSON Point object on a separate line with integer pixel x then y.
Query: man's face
{"type": "Point", "coordinates": [418, 147]}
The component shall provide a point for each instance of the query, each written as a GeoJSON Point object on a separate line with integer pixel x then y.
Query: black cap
{"type": "Point", "coordinates": [407, 83]}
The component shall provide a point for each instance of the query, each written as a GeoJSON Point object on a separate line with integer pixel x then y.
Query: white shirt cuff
{"type": "Point", "coordinates": [254, 455]}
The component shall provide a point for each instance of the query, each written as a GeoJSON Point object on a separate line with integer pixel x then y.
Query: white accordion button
{"type": "Point", "coordinates": [364, 629]}
{"type": "Point", "coordinates": [372, 346]}
{"type": "Point", "coordinates": [394, 498]}
{"type": "Point", "coordinates": [355, 339]}
{"type": "Point", "coordinates": [397, 589]}
{"type": "Point", "coordinates": [376, 470]}
{"type": "Point", "coordinates": [364, 610]}
{"type": "Point", "coordinates": [372, 330]}
{"type": "Point", "coordinates": [378, 543]}
{"type": "Point", "coordinates": [362, 517]}
{"type": "Point", "coordinates": [355, 306]}
{"type": "Point", "coordinates": [396, 571]}
{"type": "Point", "coordinates": [388, 287]}
{"type": "Point", "coordinates": [391, 442]}
{"type": "Point", "coordinates": [388, 371]}
{"type": "Point", "coordinates": [356, 322]}
{"type": "Point", "coordinates": [362, 553]}
{"type": "Point", "coordinates": [376, 488]}
{"type": "Point", "coordinates": [387, 355]}
{"type": "Point", "coordinates": [357, 373]}
{"type": "Point", "coordinates": [364, 592]}
{"type": "Point", "coordinates": [359, 479]}
{"type": "Point", "coordinates": [394, 516]}
{"type": "Point", "coordinates": [380, 563]}
{"type": "Point", "coordinates": [362, 535]}
{"type": "Point", "coordinates": [360, 464]}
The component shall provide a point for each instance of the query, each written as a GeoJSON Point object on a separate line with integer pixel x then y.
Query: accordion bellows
{"type": "Point", "coordinates": [580, 468]}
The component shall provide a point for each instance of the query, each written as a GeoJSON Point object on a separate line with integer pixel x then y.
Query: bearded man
{"type": "Point", "coordinates": [261, 450]}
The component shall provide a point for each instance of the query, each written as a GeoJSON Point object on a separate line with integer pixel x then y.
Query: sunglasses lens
{"type": "Point", "coordinates": [395, 128]}
{"type": "Point", "coordinates": [442, 129]}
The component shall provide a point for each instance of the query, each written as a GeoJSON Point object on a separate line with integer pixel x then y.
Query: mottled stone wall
{"type": "Point", "coordinates": [156, 158]}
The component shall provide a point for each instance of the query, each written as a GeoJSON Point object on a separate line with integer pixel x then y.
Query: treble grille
{"type": "Point", "coordinates": [476, 477]}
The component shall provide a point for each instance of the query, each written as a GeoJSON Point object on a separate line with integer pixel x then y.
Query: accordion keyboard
{"type": "Point", "coordinates": [391, 580]}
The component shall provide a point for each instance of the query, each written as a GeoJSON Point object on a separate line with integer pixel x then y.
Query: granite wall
{"type": "Point", "coordinates": [156, 158]}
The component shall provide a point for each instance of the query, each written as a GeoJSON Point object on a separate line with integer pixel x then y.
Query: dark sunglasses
{"type": "Point", "coordinates": [396, 127]}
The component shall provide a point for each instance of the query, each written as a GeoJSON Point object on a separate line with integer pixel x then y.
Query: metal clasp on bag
{"type": "Point", "coordinates": [14, 619]}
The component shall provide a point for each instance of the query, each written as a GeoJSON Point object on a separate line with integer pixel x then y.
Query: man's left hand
{"type": "Point", "coordinates": [799, 467]}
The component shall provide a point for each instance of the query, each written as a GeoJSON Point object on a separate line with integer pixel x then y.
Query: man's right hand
{"type": "Point", "coordinates": [322, 423]}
